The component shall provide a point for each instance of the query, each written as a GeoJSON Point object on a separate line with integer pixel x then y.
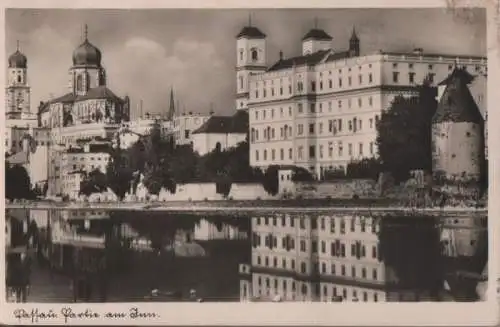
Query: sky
{"type": "Point", "coordinates": [148, 52]}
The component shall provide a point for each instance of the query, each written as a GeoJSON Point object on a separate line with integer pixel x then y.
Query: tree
{"type": "Point", "coordinates": [404, 133]}
{"type": "Point", "coordinates": [17, 183]}
{"type": "Point", "coordinates": [365, 168]}
{"type": "Point", "coordinates": [119, 175]}
{"type": "Point", "coordinates": [270, 180]}
{"type": "Point", "coordinates": [94, 182]}
{"type": "Point", "coordinates": [300, 174]}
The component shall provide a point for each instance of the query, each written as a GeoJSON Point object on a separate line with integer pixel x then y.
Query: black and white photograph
{"type": "Point", "coordinates": [246, 155]}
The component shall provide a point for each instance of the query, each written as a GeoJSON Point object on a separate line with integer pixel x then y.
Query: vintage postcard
{"type": "Point", "coordinates": [171, 163]}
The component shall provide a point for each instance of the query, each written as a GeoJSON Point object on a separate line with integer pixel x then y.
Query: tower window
{"type": "Point", "coordinates": [255, 54]}
{"type": "Point", "coordinates": [79, 83]}
{"type": "Point", "coordinates": [19, 78]}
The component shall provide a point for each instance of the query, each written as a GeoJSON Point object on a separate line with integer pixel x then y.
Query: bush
{"type": "Point", "coordinates": [300, 174]}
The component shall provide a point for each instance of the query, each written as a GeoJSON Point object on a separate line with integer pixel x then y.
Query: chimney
{"type": "Point", "coordinates": [281, 55]}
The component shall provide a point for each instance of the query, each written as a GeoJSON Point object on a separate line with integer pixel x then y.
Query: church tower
{"type": "Point", "coordinates": [316, 40]}
{"type": "Point", "coordinates": [17, 93]}
{"type": "Point", "coordinates": [251, 59]}
{"type": "Point", "coordinates": [86, 72]}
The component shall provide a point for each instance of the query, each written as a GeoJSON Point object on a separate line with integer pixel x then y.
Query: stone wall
{"type": "Point", "coordinates": [340, 189]}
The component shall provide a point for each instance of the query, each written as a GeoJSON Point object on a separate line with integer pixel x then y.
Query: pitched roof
{"type": "Point", "coordinates": [456, 103]}
{"type": "Point", "coordinates": [458, 73]}
{"type": "Point", "coordinates": [251, 31]}
{"type": "Point", "coordinates": [100, 92]}
{"type": "Point", "coordinates": [19, 158]}
{"type": "Point", "coordinates": [309, 59]}
{"type": "Point", "coordinates": [238, 124]}
{"type": "Point", "coordinates": [317, 34]}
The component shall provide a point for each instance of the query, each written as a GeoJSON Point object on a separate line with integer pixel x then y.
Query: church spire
{"type": "Point", "coordinates": [171, 110]}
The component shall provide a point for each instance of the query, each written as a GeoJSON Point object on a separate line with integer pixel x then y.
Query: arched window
{"type": "Point", "coordinates": [218, 147]}
{"type": "Point", "coordinates": [255, 54]}
{"type": "Point", "coordinates": [79, 83]}
{"type": "Point", "coordinates": [19, 79]}
{"type": "Point", "coordinates": [241, 82]}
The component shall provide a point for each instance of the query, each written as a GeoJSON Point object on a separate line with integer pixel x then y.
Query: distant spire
{"type": "Point", "coordinates": [354, 35]}
{"type": "Point", "coordinates": [171, 110]}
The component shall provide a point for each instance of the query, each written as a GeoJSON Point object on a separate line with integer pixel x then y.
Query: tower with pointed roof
{"type": "Point", "coordinates": [354, 44]}
{"type": "Point", "coordinates": [251, 59]}
{"type": "Point", "coordinates": [458, 131]}
{"type": "Point", "coordinates": [171, 109]}
{"type": "Point", "coordinates": [87, 72]}
{"type": "Point", "coordinates": [315, 40]}
{"type": "Point", "coordinates": [18, 91]}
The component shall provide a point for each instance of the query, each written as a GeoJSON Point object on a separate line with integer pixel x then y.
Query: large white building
{"type": "Point", "coordinates": [319, 110]}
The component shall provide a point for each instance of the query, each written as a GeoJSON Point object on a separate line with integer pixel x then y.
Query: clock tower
{"type": "Point", "coordinates": [17, 93]}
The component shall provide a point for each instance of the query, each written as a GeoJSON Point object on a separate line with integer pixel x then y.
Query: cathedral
{"type": "Point", "coordinates": [89, 100]}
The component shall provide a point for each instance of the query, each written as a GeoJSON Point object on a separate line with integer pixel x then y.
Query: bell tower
{"type": "Point", "coordinates": [17, 93]}
{"type": "Point", "coordinates": [251, 59]}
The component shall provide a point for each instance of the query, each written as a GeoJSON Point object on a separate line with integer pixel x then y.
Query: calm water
{"type": "Point", "coordinates": [97, 256]}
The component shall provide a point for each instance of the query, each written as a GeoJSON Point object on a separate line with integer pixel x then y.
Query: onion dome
{"type": "Point", "coordinates": [18, 60]}
{"type": "Point", "coordinates": [317, 34]}
{"type": "Point", "coordinates": [87, 54]}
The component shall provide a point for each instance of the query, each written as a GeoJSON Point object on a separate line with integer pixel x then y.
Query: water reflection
{"type": "Point", "coordinates": [99, 256]}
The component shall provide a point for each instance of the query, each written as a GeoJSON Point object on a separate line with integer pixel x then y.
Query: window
{"type": "Point", "coordinates": [363, 272]}
{"type": "Point", "coordinates": [374, 274]}
{"type": "Point", "coordinates": [311, 128]}
{"type": "Point", "coordinates": [395, 65]}
{"type": "Point", "coordinates": [361, 149]}
{"type": "Point", "coordinates": [300, 129]}
{"type": "Point", "coordinates": [342, 270]}
{"type": "Point", "coordinates": [241, 82]}
{"type": "Point", "coordinates": [349, 80]}
{"type": "Point", "coordinates": [374, 251]}
{"type": "Point", "coordinates": [290, 154]}
{"type": "Point", "coordinates": [411, 77]}
{"type": "Point", "coordinates": [431, 66]}
{"type": "Point", "coordinates": [353, 272]}
{"type": "Point", "coordinates": [273, 154]}
{"type": "Point", "coordinates": [312, 152]}
{"type": "Point", "coordinates": [330, 83]}
{"type": "Point", "coordinates": [349, 149]}
{"type": "Point", "coordinates": [360, 79]}
{"type": "Point", "coordinates": [371, 147]}
{"type": "Point", "coordinates": [300, 152]}
{"type": "Point", "coordinates": [360, 102]}
{"type": "Point", "coordinates": [321, 151]}
{"type": "Point", "coordinates": [241, 54]}
{"type": "Point", "coordinates": [370, 101]}
{"type": "Point", "coordinates": [282, 154]}
{"type": "Point", "coordinates": [313, 86]}
{"type": "Point", "coordinates": [255, 54]}
{"type": "Point", "coordinates": [265, 155]}
{"type": "Point", "coordinates": [370, 78]}
{"type": "Point", "coordinates": [395, 77]}
{"type": "Point", "coordinates": [410, 66]}
{"type": "Point", "coordinates": [340, 82]}
{"type": "Point", "coordinates": [299, 107]}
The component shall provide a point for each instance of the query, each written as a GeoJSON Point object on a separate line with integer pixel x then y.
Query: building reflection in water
{"type": "Point", "coordinates": [339, 258]}
{"type": "Point", "coordinates": [254, 257]}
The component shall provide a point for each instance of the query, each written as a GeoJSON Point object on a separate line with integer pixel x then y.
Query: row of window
{"type": "Point", "coordinates": [315, 86]}
{"type": "Point", "coordinates": [14, 144]}
{"type": "Point", "coordinates": [312, 152]}
{"type": "Point", "coordinates": [335, 290]}
{"type": "Point", "coordinates": [321, 223]}
{"type": "Point", "coordinates": [313, 108]}
{"type": "Point", "coordinates": [334, 126]}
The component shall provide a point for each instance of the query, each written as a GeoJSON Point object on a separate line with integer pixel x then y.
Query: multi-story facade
{"type": "Point", "coordinates": [319, 110]}
{"type": "Point", "coordinates": [320, 258]}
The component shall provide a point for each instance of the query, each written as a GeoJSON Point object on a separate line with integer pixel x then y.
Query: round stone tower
{"type": "Point", "coordinates": [458, 131]}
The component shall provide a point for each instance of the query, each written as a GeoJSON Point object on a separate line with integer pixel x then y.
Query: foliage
{"type": "Point", "coordinates": [270, 180]}
{"type": "Point", "coordinates": [93, 182]}
{"type": "Point", "coordinates": [411, 247]}
{"type": "Point", "coordinates": [300, 174]}
{"type": "Point", "coordinates": [365, 168]}
{"type": "Point", "coordinates": [119, 174]}
{"type": "Point", "coordinates": [404, 134]}
{"type": "Point", "coordinates": [17, 183]}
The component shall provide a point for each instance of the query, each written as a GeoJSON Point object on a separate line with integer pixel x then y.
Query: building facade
{"type": "Point", "coordinates": [315, 258]}
{"type": "Point", "coordinates": [319, 110]}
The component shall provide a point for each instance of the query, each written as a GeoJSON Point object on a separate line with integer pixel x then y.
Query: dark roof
{"type": "Point", "coordinates": [337, 56]}
{"type": "Point", "coordinates": [457, 104]}
{"type": "Point", "coordinates": [317, 34]}
{"type": "Point", "coordinates": [251, 32]}
{"type": "Point", "coordinates": [100, 92]}
{"type": "Point", "coordinates": [238, 123]}
{"type": "Point", "coordinates": [18, 60]}
{"type": "Point", "coordinates": [309, 59]}
{"type": "Point", "coordinates": [461, 74]}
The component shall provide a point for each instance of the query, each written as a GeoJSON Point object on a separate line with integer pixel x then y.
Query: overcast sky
{"type": "Point", "coordinates": [145, 52]}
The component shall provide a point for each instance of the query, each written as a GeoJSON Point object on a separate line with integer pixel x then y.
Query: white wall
{"type": "Point", "coordinates": [204, 143]}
